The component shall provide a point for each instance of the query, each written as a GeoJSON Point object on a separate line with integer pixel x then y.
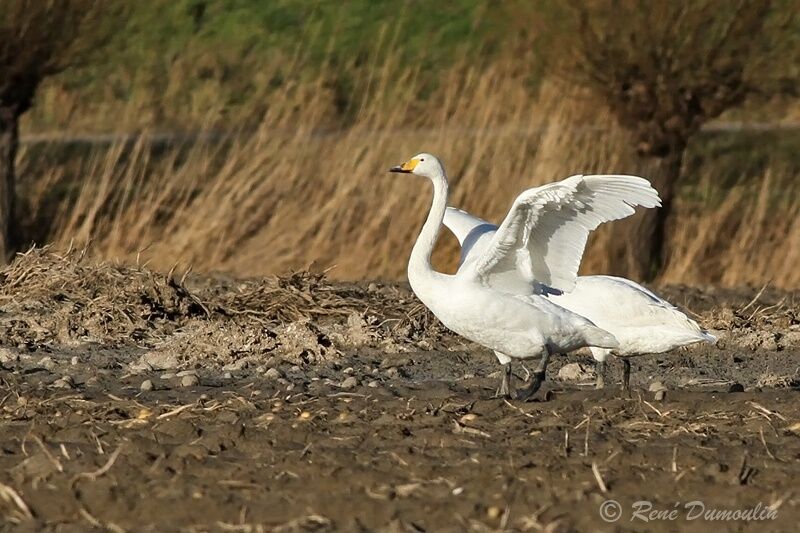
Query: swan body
{"type": "Point", "coordinates": [641, 321]}
{"type": "Point", "coordinates": [546, 230]}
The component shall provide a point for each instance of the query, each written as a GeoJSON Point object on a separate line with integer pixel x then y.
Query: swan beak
{"type": "Point", "coordinates": [406, 168]}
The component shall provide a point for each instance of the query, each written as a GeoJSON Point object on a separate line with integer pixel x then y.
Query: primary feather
{"type": "Point", "coordinates": [542, 239]}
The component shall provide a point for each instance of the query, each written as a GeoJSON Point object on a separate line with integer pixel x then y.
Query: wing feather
{"type": "Point", "coordinates": [545, 233]}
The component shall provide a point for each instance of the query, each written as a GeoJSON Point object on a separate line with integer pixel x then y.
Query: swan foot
{"type": "Point", "coordinates": [536, 382]}
{"type": "Point", "coordinates": [506, 390]}
{"type": "Point", "coordinates": [626, 377]}
{"type": "Point", "coordinates": [536, 379]}
{"type": "Point", "coordinates": [600, 370]}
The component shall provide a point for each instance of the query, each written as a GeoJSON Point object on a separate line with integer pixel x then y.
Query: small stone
{"type": "Point", "coordinates": [659, 389]}
{"type": "Point", "coordinates": [392, 372]}
{"type": "Point", "coordinates": [91, 382]}
{"type": "Point", "coordinates": [158, 361]}
{"type": "Point", "coordinates": [168, 375]}
{"type": "Point", "coordinates": [147, 385]}
{"type": "Point", "coordinates": [61, 383]}
{"type": "Point", "coordinates": [296, 368]}
{"type": "Point", "coordinates": [227, 375]}
{"type": "Point", "coordinates": [575, 372]}
{"type": "Point", "coordinates": [74, 361]}
{"type": "Point", "coordinates": [374, 384]}
{"type": "Point", "coordinates": [47, 363]}
{"type": "Point", "coordinates": [7, 356]}
{"type": "Point", "coordinates": [494, 512]}
{"type": "Point", "coordinates": [349, 371]}
{"type": "Point", "coordinates": [190, 381]}
{"type": "Point", "coordinates": [183, 373]}
{"type": "Point", "coordinates": [736, 387]}
{"type": "Point", "coordinates": [273, 373]}
{"type": "Point", "coordinates": [394, 362]}
{"type": "Point", "coordinates": [349, 383]}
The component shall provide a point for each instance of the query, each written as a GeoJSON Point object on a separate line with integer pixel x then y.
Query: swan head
{"type": "Point", "coordinates": [423, 164]}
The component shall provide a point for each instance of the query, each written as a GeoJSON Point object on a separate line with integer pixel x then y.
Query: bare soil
{"type": "Point", "coordinates": [136, 401]}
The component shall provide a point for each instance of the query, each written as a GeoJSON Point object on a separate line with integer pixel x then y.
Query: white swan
{"type": "Point", "coordinates": [494, 299]}
{"type": "Point", "coordinates": [642, 322]}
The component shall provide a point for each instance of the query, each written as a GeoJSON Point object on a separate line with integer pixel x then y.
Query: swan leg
{"type": "Point", "coordinates": [506, 389]}
{"type": "Point", "coordinates": [600, 370]}
{"type": "Point", "coordinates": [537, 379]}
{"type": "Point", "coordinates": [626, 376]}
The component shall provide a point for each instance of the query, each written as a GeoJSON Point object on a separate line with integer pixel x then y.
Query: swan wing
{"type": "Point", "coordinates": [541, 240]}
{"type": "Point", "coordinates": [642, 320]}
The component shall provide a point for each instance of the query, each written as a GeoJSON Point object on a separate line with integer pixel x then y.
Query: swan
{"type": "Point", "coordinates": [494, 299]}
{"type": "Point", "coordinates": [641, 321]}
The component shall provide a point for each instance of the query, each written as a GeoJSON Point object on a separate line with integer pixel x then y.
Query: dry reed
{"type": "Point", "coordinates": [290, 193]}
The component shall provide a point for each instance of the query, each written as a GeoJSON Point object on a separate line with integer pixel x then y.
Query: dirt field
{"type": "Point", "coordinates": [137, 402]}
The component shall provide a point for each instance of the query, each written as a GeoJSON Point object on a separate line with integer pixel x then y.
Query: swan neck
{"type": "Point", "coordinates": [421, 254]}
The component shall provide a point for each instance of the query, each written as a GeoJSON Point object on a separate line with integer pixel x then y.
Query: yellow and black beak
{"type": "Point", "coordinates": [405, 168]}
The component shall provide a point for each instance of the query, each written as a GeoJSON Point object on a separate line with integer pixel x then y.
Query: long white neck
{"type": "Point", "coordinates": [420, 262]}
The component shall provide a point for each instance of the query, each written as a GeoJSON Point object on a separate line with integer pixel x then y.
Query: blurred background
{"type": "Point", "coordinates": [253, 137]}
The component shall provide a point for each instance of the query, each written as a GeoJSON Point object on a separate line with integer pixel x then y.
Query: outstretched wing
{"type": "Point", "coordinates": [541, 240]}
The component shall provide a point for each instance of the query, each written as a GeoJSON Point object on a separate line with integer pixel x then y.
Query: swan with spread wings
{"type": "Point", "coordinates": [495, 297]}
{"type": "Point", "coordinates": [641, 321]}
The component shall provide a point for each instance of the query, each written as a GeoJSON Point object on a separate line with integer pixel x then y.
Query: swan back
{"type": "Point", "coordinates": [642, 321]}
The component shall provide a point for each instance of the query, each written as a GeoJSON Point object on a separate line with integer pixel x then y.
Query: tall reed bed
{"type": "Point", "coordinates": [294, 193]}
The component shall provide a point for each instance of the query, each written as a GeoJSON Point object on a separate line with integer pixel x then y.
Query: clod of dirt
{"type": "Point", "coordinates": [575, 372]}
{"type": "Point", "coordinates": [47, 363]}
{"type": "Point", "coordinates": [349, 383]}
{"type": "Point", "coordinates": [190, 380]}
{"type": "Point", "coordinates": [156, 361]}
{"type": "Point", "coordinates": [273, 373]}
{"type": "Point", "coordinates": [7, 356]}
{"type": "Point", "coordinates": [659, 389]}
{"type": "Point", "coordinates": [789, 339]}
{"type": "Point", "coordinates": [305, 342]}
{"type": "Point", "coordinates": [63, 383]}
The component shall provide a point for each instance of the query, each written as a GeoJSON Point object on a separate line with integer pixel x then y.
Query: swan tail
{"type": "Point", "coordinates": [599, 338]}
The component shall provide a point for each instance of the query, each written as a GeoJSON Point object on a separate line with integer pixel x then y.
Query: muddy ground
{"type": "Point", "coordinates": [135, 401]}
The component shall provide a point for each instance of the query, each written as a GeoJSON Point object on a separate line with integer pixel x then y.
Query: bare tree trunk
{"type": "Point", "coordinates": [639, 244]}
{"type": "Point", "coordinates": [9, 140]}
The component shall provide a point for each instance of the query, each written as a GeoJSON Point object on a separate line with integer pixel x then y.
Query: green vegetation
{"type": "Point", "coordinates": [184, 62]}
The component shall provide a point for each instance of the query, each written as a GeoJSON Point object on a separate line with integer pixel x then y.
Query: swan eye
{"type": "Point", "coordinates": [421, 160]}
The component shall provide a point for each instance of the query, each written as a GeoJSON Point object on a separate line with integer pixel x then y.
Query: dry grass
{"type": "Point", "coordinates": [289, 195]}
